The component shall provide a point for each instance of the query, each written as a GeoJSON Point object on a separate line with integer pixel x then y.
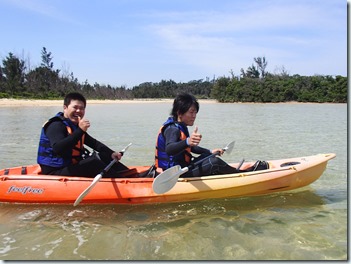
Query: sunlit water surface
{"type": "Point", "coordinates": [305, 224]}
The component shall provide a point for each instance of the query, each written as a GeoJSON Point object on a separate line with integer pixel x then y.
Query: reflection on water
{"type": "Point", "coordinates": [305, 224]}
{"type": "Point", "coordinates": [215, 229]}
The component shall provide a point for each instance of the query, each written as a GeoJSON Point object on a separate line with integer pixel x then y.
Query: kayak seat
{"type": "Point", "coordinates": [133, 173]}
{"type": "Point", "coordinates": [259, 165]}
{"type": "Point", "coordinates": [149, 173]}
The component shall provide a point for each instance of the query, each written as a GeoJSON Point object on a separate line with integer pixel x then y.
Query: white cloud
{"type": "Point", "coordinates": [50, 9]}
{"type": "Point", "coordinates": [133, 41]}
{"type": "Point", "coordinates": [218, 41]}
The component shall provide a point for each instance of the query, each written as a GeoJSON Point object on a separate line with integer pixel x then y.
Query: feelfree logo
{"type": "Point", "coordinates": [25, 190]}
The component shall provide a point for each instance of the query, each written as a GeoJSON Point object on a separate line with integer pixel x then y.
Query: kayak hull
{"type": "Point", "coordinates": [26, 185]}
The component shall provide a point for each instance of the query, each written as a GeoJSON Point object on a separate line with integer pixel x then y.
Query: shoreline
{"type": "Point", "coordinates": [6, 102]}
{"type": "Point", "coordinates": [37, 102]}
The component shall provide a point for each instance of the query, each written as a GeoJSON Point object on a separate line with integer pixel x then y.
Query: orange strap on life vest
{"type": "Point", "coordinates": [77, 149]}
{"type": "Point", "coordinates": [187, 152]}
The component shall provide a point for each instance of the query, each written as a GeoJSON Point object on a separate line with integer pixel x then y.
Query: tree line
{"type": "Point", "coordinates": [254, 84]}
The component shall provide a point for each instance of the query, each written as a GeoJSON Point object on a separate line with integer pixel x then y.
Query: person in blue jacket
{"type": "Point", "coordinates": [175, 144]}
{"type": "Point", "coordinates": [61, 145]}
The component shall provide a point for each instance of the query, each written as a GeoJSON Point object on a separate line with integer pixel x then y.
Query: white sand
{"type": "Point", "coordinates": [30, 102]}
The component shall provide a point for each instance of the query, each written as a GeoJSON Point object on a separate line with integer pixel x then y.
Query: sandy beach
{"type": "Point", "coordinates": [30, 102]}
{"type": "Point", "coordinates": [5, 102]}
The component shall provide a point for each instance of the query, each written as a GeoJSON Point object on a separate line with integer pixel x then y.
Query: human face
{"type": "Point", "coordinates": [188, 117]}
{"type": "Point", "coordinates": [74, 110]}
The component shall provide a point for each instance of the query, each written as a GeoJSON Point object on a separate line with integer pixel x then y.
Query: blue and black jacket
{"type": "Point", "coordinates": [46, 155]}
{"type": "Point", "coordinates": [162, 159]}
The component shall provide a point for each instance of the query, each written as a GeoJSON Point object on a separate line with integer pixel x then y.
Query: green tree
{"type": "Point", "coordinates": [251, 72]}
{"type": "Point", "coordinates": [46, 59]}
{"type": "Point", "coordinates": [261, 65]}
{"type": "Point", "coordinates": [44, 81]}
{"type": "Point", "coordinates": [219, 90]}
{"type": "Point", "coordinates": [338, 91]}
{"type": "Point", "coordinates": [256, 71]}
{"type": "Point", "coordinates": [13, 75]}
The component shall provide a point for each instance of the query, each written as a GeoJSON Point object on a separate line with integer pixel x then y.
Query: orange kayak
{"type": "Point", "coordinates": [25, 184]}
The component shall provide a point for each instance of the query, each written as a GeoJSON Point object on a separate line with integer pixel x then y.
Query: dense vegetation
{"type": "Point", "coordinates": [253, 85]}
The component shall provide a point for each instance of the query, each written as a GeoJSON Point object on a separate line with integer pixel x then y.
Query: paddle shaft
{"type": "Point", "coordinates": [201, 160]}
{"type": "Point", "coordinates": [98, 177]}
{"type": "Point", "coordinates": [193, 165]}
{"type": "Point", "coordinates": [108, 167]}
{"type": "Point", "coordinates": [167, 179]}
{"type": "Point", "coordinates": [228, 148]}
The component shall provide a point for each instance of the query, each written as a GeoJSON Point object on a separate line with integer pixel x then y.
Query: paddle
{"type": "Point", "coordinates": [167, 179]}
{"type": "Point", "coordinates": [98, 177]}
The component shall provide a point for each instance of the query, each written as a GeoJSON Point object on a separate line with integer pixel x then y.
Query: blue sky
{"type": "Point", "coordinates": [128, 42]}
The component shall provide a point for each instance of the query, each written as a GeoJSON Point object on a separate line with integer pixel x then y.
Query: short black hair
{"type": "Point", "coordinates": [182, 104]}
{"type": "Point", "coordinates": [74, 96]}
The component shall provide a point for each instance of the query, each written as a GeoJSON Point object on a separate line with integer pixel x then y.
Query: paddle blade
{"type": "Point", "coordinates": [125, 149]}
{"type": "Point", "coordinates": [167, 179]}
{"type": "Point", "coordinates": [87, 190]}
{"type": "Point", "coordinates": [228, 149]}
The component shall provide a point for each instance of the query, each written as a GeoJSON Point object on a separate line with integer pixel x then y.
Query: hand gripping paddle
{"type": "Point", "coordinates": [167, 179]}
{"type": "Point", "coordinates": [98, 177]}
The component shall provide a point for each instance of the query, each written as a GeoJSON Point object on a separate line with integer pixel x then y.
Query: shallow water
{"type": "Point", "coordinates": [305, 224]}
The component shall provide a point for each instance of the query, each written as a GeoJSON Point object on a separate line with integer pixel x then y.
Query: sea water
{"type": "Point", "coordinates": [305, 224]}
